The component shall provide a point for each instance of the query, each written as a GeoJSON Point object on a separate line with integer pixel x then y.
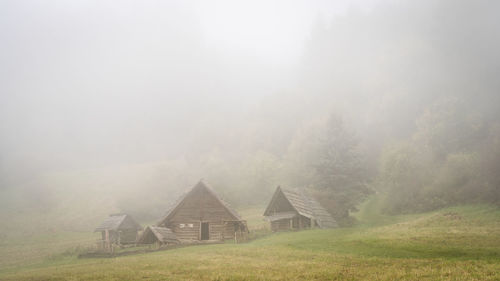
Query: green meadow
{"type": "Point", "coordinates": [459, 243]}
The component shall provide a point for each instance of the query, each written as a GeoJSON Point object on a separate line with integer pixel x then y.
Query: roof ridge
{"type": "Point", "coordinates": [306, 205]}
{"type": "Point", "coordinates": [203, 184]}
{"type": "Point", "coordinates": [222, 201]}
{"type": "Point", "coordinates": [114, 221]}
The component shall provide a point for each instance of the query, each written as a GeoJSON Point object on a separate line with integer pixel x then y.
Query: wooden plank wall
{"type": "Point", "coordinates": [186, 233]}
{"type": "Point", "coordinates": [280, 225]}
{"type": "Point", "coordinates": [128, 236]}
{"type": "Point", "coordinates": [199, 207]}
{"type": "Point", "coordinates": [149, 237]}
{"type": "Point", "coordinates": [217, 231]}
{"type": "Point", "coordinates": [229, 230]}
{"type": "Point", "coordinates": [299, 222]}
{"type": "Point", "coordinates": [281, 204]}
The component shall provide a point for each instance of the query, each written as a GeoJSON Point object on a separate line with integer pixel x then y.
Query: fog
{"type": "Point", "coordinates": [120, 100]}
{"type": "Point", "coordinates": [96, 83]}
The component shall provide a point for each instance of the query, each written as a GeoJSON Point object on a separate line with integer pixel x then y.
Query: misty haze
{"type": "Point", "coordinates": [250, 140]}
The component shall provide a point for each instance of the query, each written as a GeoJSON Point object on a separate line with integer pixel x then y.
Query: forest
{"type": "Point", "coordinates": [402, 101]}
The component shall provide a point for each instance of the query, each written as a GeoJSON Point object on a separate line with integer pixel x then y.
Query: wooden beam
{"type": "Point", "coordinates": [199, 232]}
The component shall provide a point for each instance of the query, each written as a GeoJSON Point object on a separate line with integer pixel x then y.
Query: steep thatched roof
{"type": "Point", "coordinates": [304, 205]}
{"type": "Point", "coordinates": [199, 185]}
{"type": "Point", "coordinates": [156, 233]}
{"type": "Point", "coordinates": [118, 222]}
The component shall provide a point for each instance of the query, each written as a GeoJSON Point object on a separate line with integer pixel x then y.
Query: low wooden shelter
{"type": "Point", "coordinates": [119, 229]}
{"type": "Point", "coordinates": [158, 235]}
{"type": "Point", "coordinates": [201, 215]}
{"type": "Point", "coordinates": [293, 210]}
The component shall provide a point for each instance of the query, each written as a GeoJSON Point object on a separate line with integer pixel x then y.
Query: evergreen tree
{"type": "Point", "coordinates": [341, 178]}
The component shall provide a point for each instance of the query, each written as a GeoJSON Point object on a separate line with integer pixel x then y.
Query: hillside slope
{"type": "Point", "coordinates": [461, 243]}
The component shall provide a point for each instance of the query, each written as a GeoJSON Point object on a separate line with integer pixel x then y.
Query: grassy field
{"type": "Point", "coordinates": [461, 243]}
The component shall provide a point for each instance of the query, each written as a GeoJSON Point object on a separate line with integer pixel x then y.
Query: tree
{"type": "Point", "coordinates": [448, 126]}
{"type": "Point", "coordinates": [451, 159]}
{"type": "Point", "coordinates": [341, 177]}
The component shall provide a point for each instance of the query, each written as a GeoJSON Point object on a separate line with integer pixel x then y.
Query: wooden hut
{"type": "Point", "coordinates": [293, 210]}
{"type": "Point", "coordinates": [119, 229]}
{"type": "Point", "coordinates": [201, 215]}
{"type": "Point", "coordinates": [158, 235]}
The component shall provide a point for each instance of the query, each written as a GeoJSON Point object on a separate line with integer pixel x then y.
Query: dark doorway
{"type": "Point", "coordinates": [204, 231]}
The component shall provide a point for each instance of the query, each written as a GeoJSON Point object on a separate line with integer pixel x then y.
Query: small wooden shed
{"type": "Point", "coordinates": [119, 229]}
{"type": "Point", "coordinates": [160, 235]}
{"type": "Point", "coordinates": [293, 210]}
{"type": "Point", "coordinates": [201, 215]}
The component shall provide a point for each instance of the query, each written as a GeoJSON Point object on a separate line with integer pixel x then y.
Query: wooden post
{"type": "Point", "coordinates": [291, 223]}
{"type": "Point", "coordinates": [199, 232]}
{"type": "Point", "coordinates": [223, 229]}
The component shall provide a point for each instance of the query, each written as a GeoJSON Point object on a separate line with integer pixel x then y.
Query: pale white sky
{"type": "Point", "coordinates": [274, 30]}
{"type": "Point", "coordinates": [98, 77]}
